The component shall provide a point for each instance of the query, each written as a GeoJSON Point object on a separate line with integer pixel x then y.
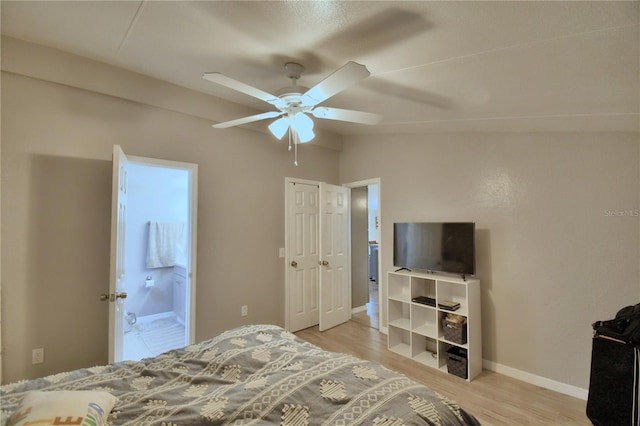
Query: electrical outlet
{"type": "Point", "coordinates": [37, 356]}
{"type": "Point", "coordinates": [281, 252]}
{"type": "Point", "coordinates": [244, 311]}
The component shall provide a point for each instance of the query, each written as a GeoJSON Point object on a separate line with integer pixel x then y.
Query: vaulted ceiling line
{"type": "Point", "coordinates": [505, 48]}
{"type": "Point", "coordinates": [132, 24]}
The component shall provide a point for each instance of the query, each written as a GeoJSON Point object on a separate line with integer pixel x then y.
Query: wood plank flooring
{"type": "Point", "coordinates": [370, 316]}
{"type": "Point", "coordinates": [493, 398]}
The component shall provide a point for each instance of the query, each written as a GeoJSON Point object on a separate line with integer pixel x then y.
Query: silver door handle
{"type": "Point", "coordinates": [294, 263]}
{"type": "Point", "coordinates": [122, 295]}
{"type": "Point", "coordinates": [104, 297]}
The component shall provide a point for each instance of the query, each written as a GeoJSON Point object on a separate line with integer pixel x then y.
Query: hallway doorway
{"type": "Point", "coordinates": [365, 253]}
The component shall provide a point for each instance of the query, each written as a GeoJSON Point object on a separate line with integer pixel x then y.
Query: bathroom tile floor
{"type": "Point", "coordinates": [148, 339]}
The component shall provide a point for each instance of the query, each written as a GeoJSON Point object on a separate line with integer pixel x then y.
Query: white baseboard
{"type": "Point", "coordinates": [536, 380]}
{"type": "Point", "coordinates": [533, 379]}
{"type": "Point", "coordinates": [358, 309]}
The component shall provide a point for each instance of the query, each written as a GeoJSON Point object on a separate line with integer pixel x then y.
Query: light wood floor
{"type": "Point", "coordinates": [371, 315]}
{"type": "Point", "coordinates": [492, 398]}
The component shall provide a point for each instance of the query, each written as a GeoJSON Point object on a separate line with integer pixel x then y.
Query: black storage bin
{"type": "Point", "coordinates": [455, 332]}
{"type": "Point", "coordinates": [457, 362]}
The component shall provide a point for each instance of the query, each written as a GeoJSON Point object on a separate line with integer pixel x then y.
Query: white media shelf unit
{"type": "Point", "coordinates": [415, 329]}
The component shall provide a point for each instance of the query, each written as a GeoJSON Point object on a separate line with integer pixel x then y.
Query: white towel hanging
{"type": "Point", "coordinates": [164, 238]}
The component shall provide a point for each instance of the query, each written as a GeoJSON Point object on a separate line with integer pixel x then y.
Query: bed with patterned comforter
{"type": "Point", "coordinates": [259, 374]}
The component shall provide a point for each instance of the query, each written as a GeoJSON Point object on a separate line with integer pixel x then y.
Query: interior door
{"type": "Point", "coordinates": [119, 208]}
{"type": "Point", "coordinates": [335, 289]}
{"type": "Point", "coordinates": [303, 256]}
{"type": "Point", "coordinates": [117, 274]}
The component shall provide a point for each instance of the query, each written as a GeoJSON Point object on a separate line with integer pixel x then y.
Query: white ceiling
{"type": "Point", "coordinates": [436, 66]}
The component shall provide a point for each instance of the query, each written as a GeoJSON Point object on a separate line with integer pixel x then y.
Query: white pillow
{"type": "Point", "coordinates": [64, 407]}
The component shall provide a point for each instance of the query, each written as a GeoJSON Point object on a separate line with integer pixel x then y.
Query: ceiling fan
{"type": "Point", "coordinates": [295, 102]}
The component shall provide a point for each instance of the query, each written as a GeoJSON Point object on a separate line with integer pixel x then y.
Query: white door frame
{"type": "Point", "coordinates": [381, 281]}
{"type": "Point", "coordinates": [287, 182]}
{"type": "Point", "coordinates": [190, 313]}
{"type": "Point", "coordinates": [192, 169]}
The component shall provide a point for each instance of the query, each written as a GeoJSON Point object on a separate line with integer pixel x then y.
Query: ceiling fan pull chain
{"type": "Point", "coordinates": [295, 153]}
{"type": "Point", "coordinates": [289, 131]}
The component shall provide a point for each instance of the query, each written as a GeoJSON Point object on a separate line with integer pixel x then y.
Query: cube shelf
{"type": "Point", "coordinates": [416, 330]}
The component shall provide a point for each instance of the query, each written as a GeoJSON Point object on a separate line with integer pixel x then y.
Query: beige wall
{"type": "Point", "coordinates": [56, 196]}
{"type": "Point", "coordinates": [551, 258]}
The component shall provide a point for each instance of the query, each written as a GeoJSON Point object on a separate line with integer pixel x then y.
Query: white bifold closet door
{"type": "Point", "coordinates": [317, 254]}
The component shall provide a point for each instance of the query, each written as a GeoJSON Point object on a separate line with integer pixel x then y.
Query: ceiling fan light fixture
{"type": "Point", "coordinates": [305, 135]}
{"type": "Point", "coordinates": [304, 127]}
{"type": "Point", "coordinates": [295, 102]}
{"type": "Point", "coordinates": [302, 121]}
{"type": "Point", "coordinates": [279, 127]}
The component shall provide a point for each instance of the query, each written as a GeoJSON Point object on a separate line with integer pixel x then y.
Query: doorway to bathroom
{"type": "Point", "coordinates": [156, 231]}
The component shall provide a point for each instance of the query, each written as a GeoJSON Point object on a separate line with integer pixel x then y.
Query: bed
{"type": "Point", "coordinates": [258, 374]}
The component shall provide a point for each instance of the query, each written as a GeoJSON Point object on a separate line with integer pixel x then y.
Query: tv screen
{"type": "Point", "coordinates": [440, 247]}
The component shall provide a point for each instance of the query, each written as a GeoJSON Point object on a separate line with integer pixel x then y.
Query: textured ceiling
{"type": "Point", "coordinates": [436, 66]}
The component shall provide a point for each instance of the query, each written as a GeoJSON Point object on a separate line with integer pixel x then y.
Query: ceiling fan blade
{"type": "Point", "coordinates": [216, 77]}
{"type": "Point", "coordinates": [249, 119]}
{"type": "Point", "coordinates": [346, 115]}
{"type": "Point", "coordinates": [349, 74]}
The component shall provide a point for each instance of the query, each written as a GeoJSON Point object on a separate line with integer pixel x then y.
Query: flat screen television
{"type": "Point", "coordinates": [439, 247]}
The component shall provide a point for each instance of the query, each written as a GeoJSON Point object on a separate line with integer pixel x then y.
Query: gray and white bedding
{"type": "Point", "coordinates": [258, 374]}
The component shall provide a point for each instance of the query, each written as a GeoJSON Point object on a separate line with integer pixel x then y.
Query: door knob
{"type": "Point", "coordinates": [294, 263]}
{"type": "Point", "coordinates": [104, 297]}
{"type": "Point", "coordinates": [324, 262]}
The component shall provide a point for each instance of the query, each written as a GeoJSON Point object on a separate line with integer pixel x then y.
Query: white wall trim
{"type": "Point", "coordinates": [536, 380]}
{"type": "Point", "coordinates": [533, 379]}
{"type": "Point", "coordinates": [358, 309]}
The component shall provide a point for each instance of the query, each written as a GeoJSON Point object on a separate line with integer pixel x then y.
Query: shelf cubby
{"type": "Point", "coordinates": [399, 314]}
{"type": "Point", "coordinates": [416, 330]}
{"type": "Point", "coordinates": [423, 287]}
{"type": "Point", "coordinates": [400, 288]}
{"type": "Point", "coordinates": [454, 292]}
{"type": "Point", "coordinates": [400, 341]}
{"type": "Point", "coordinates": [424, 350]}
{"type": "Point", "coordinates": [424, 320]}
